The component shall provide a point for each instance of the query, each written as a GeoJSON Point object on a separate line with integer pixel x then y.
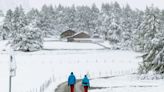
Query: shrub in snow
{"type": "Point", "coordinates": [30, 39]}
{"type": "Point", "coordinates": [151, 75]}
{"type": "Point", "coordinates": [154, 59]}
{"type": "Point", "coordinates": [116, 46]}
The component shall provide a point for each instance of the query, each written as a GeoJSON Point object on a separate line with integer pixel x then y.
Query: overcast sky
{"type": "Point", "coordinates": [141, 4]}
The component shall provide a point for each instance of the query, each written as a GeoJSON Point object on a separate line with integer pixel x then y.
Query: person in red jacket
{"type": "Point", "coordinates": [71, 81]}
{"type": "Point", "coordinates": [85, 83]}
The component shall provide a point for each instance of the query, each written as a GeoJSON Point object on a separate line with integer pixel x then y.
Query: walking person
{"type": "Point", "coordinates": [85, 83]}
{"type": "Point", "coordinates": [71, 81]}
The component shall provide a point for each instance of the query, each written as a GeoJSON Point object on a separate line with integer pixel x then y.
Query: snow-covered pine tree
{"type": "Point", "coordinates": [104, 17]}
{"type": "Point", "coordinates": [33, 14]}
{"type": "Point", "coordinates": [94, 22]}
{"type": "Point", "coordinates": [114, 33]}
{"type": "Point", "coordinates": [83, 16]}
{"type": "Point", "coordinates": [153, 61]}
{"type": "Point", "coordinates": [162, 19]}
{"type": "Point", "coordinates": [59, 25]}
{"type": "Point", "coordinates": [138, 19]}
{"type": "Point", "coordinates": [99, 27]}
{"type": "Point", "coordinates": [29, 39]}
{"type": "Point", "coordinates": [105, 22]}
{"type": "Point", "coordinates": [116, 10]}
{"type": "Point", "coordinates": [127, 25]}
{"type": "Point", "coordinates": [107, 12]}
{"type": "Point", "coordinates": [106, 8]}
{"type": "Point", "coordinates": [7, 27]}
{"type": "Point", "coordinates": [3, 34]}
{"type": "Point", "coordinates": [19, 21]}
{"type": "Point", "coordinates": [1, 13]}
{"type": "Point", "coordinates": [45, 22]}
{"type": "Point", "coordinates": [148, 28]}
{"type": "Point", "coordinates": [1, 37]}
{"type": "Point", "coordinates": [69, 17]}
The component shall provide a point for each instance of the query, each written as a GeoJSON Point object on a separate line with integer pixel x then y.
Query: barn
{"type": "Point", "coordinates": [67, 33]}
{"type": "Point", "coordinates": [79, 37]}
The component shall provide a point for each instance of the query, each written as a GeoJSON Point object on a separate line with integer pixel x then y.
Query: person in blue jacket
{"type": "Point", "coordinates": [71, 81]}
{"type": "Point", "coordinates": [85, 83]}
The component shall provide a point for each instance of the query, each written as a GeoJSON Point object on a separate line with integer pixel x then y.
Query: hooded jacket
{"type": "Point", "coordinates": [71, 79]}
{"type": "Point", "coordinates": [85, 81]}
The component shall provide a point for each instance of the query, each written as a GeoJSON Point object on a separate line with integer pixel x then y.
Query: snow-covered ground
{"type": "Point", "coordinates": [71, 46]}
{"type": "Point", "coordinates": [53, 65]}
{"type": "Point", "coordinates": [127, 83]}
{"type": "Point", "coordinates": [3, 46]}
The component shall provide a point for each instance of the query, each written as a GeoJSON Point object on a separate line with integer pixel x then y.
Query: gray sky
{"type": "Point", "coordinates": [141, 4]}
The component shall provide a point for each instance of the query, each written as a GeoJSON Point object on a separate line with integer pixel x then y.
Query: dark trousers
{"type": "Point", "coordinates": [72, 88]}
{"type": "Point", "coordinates": [85, 88]}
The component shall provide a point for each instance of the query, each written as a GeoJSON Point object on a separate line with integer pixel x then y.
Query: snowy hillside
{"type": "Point", "coordinates": [35, 68]}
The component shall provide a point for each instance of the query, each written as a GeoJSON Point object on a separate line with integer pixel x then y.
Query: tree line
{"type": "Point", "coordinates": [123, 27]}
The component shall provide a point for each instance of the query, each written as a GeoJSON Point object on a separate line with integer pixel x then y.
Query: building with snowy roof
{"type": "Point", "coordinates": [67, 33]}
{"type": "Point", "coordinates": [80, 37]}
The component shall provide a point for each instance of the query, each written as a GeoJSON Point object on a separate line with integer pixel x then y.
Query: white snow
{"type": "Point", "coordinates": [71, 46]}
{"type": "Point", "coordinates": [3, 45]}
{"type": "Point", "coordinates": [105, 43]}
{"type": "Point", "coordinates": [127, 83]}
{"type": "Point", "coordinates": [53, 65]}
{"type": "Point", "coordinates": [1, 20]}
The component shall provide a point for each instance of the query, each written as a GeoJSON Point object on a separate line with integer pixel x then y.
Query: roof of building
{"type": "Point", "coordinates": [68, 31]}
{"type": "Point", "coordinates": [81, 32]}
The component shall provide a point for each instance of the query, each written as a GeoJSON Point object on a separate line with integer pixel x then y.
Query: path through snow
{"type": "Point", "coordinates": [65, 88]}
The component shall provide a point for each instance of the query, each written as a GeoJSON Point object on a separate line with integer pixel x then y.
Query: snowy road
{"type": "Point", "coordinates": [65, 88]}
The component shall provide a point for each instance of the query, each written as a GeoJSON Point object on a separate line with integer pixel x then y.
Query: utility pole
{"type": "Point", "coordinates": [10, 78]}
{"type": "Point", "coordinates": [12, 69]}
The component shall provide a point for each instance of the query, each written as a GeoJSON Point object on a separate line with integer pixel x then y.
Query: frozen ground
{"type": "Point", "coordinates": [51, 66]}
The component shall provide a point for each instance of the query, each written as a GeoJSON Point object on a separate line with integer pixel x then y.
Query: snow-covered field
{"type": "Point", "coordinates": [53, 65]}
{"type": "Point", "coordinates": [71, 46]}
{"type": "Point", "coordinates": [127, 83]}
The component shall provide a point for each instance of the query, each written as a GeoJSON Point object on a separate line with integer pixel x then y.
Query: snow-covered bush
{"type": "Point", "coordinates": [151, 75]}
{"type": "Point", "coordinates": [30, 39]}
{"type": "Point", "coordinates": [154, 59]}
